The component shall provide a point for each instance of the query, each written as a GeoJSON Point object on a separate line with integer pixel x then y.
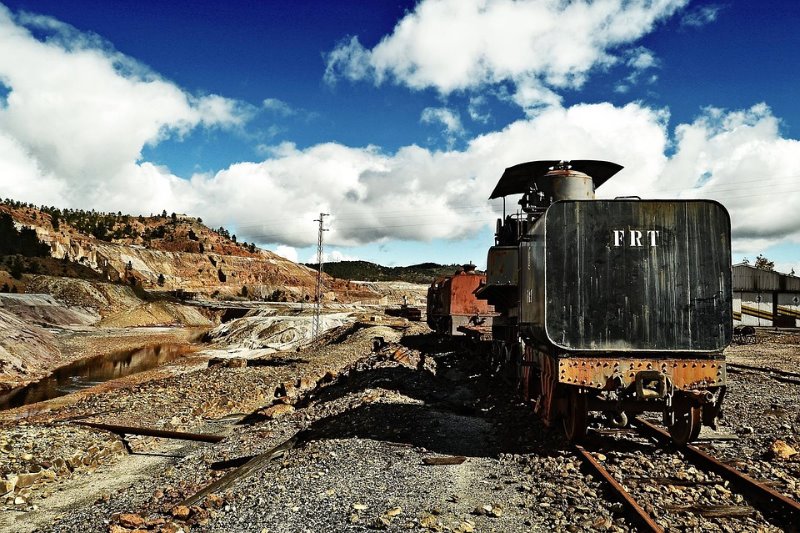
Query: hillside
{"type": "Point", "coordinates": [161, 253]}
{"type": "Point", "coordinates": [365, 271]}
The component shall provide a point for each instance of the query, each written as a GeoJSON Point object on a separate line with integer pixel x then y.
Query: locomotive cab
{"type": "Point", "coordinates": [619, 306]}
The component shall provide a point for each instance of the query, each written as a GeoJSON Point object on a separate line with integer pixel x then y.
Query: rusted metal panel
{"type": "Point", "coordinates": [609, 373]}
{"type": "Point", "coordinates": [502, 266]}
{"type": "Point", "coordinates": [452, 302]}
{"type": "Point", "coordinates": [629, 276]}
{"type": "Point", "coordinates": [461, 295]}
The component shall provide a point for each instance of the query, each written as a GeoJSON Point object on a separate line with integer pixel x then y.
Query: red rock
{"type": "Point", "coordinates": [181, 511]}
{"type": "Point", "coordinates": [130, 520]}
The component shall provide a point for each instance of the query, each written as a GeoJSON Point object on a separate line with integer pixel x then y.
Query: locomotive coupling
{"type": "Point", "coordinates": [651, 384]}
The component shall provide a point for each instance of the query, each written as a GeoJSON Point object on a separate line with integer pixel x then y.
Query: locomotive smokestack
{"type": "Point", "coordinates": [564, 183]}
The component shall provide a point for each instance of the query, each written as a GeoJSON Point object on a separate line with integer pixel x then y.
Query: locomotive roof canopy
{"type": "Point", "coordinates": [517, 179]}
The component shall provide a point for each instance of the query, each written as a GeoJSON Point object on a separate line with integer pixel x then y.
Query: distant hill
{"type": "Point", "coordinates": [366, 271]}
{"type": "Point", "coordinates": [159, 253]}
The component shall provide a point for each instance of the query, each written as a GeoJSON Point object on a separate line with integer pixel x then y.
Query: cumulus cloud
{"type": "Point", "coordinates": [415, 193]}
{"type": "Point", "coordinates": [538, 45]}
{"type": "Point", "coordinates": [77, 114]}
{"type": "Point", "coordinates": [288, 252]}
{"type": "Point", "coordinates": [738, 157]}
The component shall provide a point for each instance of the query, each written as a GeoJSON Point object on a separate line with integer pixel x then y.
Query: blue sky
{"type": "Point", "coordinates": [397, 118]}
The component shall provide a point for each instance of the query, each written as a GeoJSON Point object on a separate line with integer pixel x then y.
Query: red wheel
{"type": "Point", "coordinates": [686, 427]}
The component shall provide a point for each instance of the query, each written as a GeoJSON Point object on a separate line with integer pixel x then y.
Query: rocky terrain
{"type": "Point", "coordinates": [170, 253]}
{"type": "Point", "coordinates": [378, 426]}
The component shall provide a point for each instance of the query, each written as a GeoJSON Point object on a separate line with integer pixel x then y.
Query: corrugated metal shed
{"type": "Point", "coordinates": [749, 278]}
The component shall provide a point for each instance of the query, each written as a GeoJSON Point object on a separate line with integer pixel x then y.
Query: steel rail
{"type": "Point", "coordinates": [771, 502]}
{"type": "Point", "coordinates": [764, 369]}
{"type": "Point", "coordinates": [151, 432]}
{"type": "Point", "coordinates": [639, 514]}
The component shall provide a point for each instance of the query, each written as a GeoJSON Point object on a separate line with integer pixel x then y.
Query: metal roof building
{"type": "Point", "coordinates": [765, 298]}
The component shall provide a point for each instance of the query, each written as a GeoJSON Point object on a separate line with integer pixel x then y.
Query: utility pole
{"type": "Point", "coordinates": [315, 324]}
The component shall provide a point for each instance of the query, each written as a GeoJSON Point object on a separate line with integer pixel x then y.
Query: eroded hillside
{"type": "Point", "coordinates": [167, 253]}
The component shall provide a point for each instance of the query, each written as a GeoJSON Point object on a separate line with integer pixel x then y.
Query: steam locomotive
{"type": "Point", "coordinates": [615, 306]}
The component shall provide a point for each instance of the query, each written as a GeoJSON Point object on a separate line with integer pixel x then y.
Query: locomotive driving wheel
{"type": "Point", "coordinates": [575, 417]}
{"type": "Point", "coordinates": [687, 424]}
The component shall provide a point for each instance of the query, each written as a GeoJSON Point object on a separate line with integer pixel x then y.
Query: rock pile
{"type": "Point", "coordinates": [34, 458]}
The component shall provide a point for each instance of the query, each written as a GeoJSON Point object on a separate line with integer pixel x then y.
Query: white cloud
{"type": "Point", "coordinates": [640, 60]}
{"type": "Point", "coordinates": [476, 111]}
{"type": "Point", "coordinates": [289, 252]}
{"type": "Point", "coordinates": [700, 16]}
{"type": "Point", "coordinates": [449, 119]}
{"type": "Point", "coordinates": [79, 114]}
{"type": "Point", "coordinates": [538, 45]}
{"type": "Point", "coordinates": [278, 106]}
{"type": "Point", "coordinates": [416, 194]}
{"type": "Point", "coordinates": [334, 256]}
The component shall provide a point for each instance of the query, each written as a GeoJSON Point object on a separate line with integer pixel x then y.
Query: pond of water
{"type": "Point", "coordinates": [90, 372]}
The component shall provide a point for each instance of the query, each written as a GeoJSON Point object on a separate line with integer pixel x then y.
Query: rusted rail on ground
{"type": "Point", "coordinates": [252, 466]}
{"type": "Point", "coordinates": [767, 370]}
{"type": "Point", "coordinates": [643, 519]}
{"type": "Point", "coordinates": [771, 503]}
{"type": "Point", "coordinates": [151, 432]}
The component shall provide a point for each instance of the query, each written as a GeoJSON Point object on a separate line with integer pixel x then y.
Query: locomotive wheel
{"type": "Point", "coordinates": [687, 425]}
{"type": "Point", "coordinates": [576, 415]}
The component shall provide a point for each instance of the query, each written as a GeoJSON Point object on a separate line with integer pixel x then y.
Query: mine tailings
{"type": "Point", "coordinates": [92, 371]}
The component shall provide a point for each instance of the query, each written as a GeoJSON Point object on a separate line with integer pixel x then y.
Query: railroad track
{"type": "Point", "coordinates": [776, 509]}
{"type": "Point", "coordinates": [781, 375]}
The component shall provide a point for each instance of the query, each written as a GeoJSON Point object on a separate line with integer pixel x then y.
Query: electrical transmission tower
{"type": "Point", "coordinates": [315, 324]}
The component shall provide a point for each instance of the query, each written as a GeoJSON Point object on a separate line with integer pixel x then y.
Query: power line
{"type": "Point", "coordinates": [318, 298]}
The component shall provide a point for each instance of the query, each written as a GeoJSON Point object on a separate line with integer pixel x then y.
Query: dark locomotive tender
{"type": "Point", "coordinates": [619, 306]}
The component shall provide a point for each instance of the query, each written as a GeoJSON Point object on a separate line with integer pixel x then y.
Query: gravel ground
{"type": "Point", "coordinates": [368, 421]}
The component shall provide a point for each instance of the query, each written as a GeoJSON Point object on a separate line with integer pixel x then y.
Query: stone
{"type": "Point", "coordinates": [171, 527]}
{"type": "Point", "coordinates": [130, 520]}
{"type": "Point", "coordinates": [381, 523]}
{"type": "Point", "coordinates": [19, 500]}
{"type": "Point", "coordinates": [428, 521]}
{"type": "Point", "coordinates": [27, 479]}
{"type": "Point", "coordinates": [181, 512]}
{"type": "Point", "coordinates": [116, 528]}
{"type": "Point", "coordinates": [781, 450]}
{"type": "Point", "coordinates": [359, 507]}
{"type": "Point", "coordinates": [214, 500]}
{"type": "Point", "coordinates": [8, 484]}
{"type": "Point", "coordinates": [278, 410]}
{"type": "Point", "coordinates": [394, 511]}
{"type": "Point", "coordinates": [467, 526]}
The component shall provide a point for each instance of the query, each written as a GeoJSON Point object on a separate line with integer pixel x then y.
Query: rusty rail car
{"type": "Point", "coordinates": [615, 306]}
{"type": "Point", "coordinates": [452, 307]}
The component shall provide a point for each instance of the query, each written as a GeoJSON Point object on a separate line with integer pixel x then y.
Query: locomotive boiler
{"type": "Point", "coordinates": [613, 306]}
